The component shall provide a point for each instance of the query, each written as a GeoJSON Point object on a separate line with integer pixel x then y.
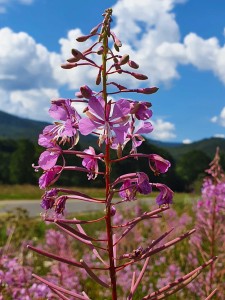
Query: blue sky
{"type": "Point", "coordinates": [179, 44]}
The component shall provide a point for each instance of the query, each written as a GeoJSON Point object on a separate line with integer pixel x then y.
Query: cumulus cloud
{"type": "Point", "coordinates": [163, 130]}
{"type": "Point", "coordinates": [220, 119]}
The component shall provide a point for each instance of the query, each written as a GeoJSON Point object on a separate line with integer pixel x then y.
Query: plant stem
{"type": "Point", "coordinates": [109, 229]}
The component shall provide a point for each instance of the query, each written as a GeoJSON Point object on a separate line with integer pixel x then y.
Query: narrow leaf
{"type": "Point", "coordinates": [92, 275]}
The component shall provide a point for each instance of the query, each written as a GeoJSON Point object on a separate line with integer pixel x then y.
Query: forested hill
{"type": "Point", "coordinates": [12, 127]}
{"type": "Point", "coordinates": [208, 146]}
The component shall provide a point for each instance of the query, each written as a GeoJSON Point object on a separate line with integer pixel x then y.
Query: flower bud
{"type": "Point", "coordinates": [83, 38]}
{"type": "Point", "coordinates": [98, 78]}
{"type": "Point", "coordinates": [133, 64]}
{"type": "Point", "coordinates": [68, 66]}
{"type": "Point", "coordinates": [100, 50]}
{"type": "Point", "coordinates": [86, 91]}
{"type": "Point", "coordinates": [77, 54]}
{"type": "Point", "coordinates": [112, 210]}
{"type": "Point", "coordinates": [124, 59]}
{"type": "Point", "coordinates": [139, 76]}
{"type": "Point", "coordinates": [148, 91]}
{"type": "Point", "coordinates": [95, 29]}
{"type": "Point", "coordinates": [116, 47]}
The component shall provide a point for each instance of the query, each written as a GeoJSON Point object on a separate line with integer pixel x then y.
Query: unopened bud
{"type": "Point", "coordinates": [116, 47]}
{"type": "Point", "coordinates": [86, 91]}
{"type": "Point", "coordinates": [95, 29]}
{"type": "Point", "coordinates": [124, 59]}
{"type": "Point", "coordinates": [100, 50]}
{"type": "Point", "coordinates": [69, 66]}
{"type": "Point", "coordinates": [133, 64]}
{"type": "Point", "coordinates": [139, 76]}
{"type": "Point", "coordinates": [77, 54]}
{"type": "Point", "coordinates": [72, 60]}
{"type": "Point", "coordinates": [78, 95]}
{"type": "Point", "coordinates": [83, 38]}
{"type": "Point", "coordinates": [148, 91]}
{"type": "Point", "coordinates": [112, 210]}
{"type": "Point", "coordinates": [98, 79]}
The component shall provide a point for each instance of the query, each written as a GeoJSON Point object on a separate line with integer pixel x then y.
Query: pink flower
{"type": "Point", "coordinates": [90, 163]}
{"type": "Point", "coordinates": [140, 110]}
{"type": "Point", "coordinates": [49, 177]}
{"type": "Point", "coordinates": [139, 184]}
{"type": "Point", "coordinates": [48, 158]}
{"type": "Point", "coordinates": [101, 118]}
{"type": "Point", "coordinates": [158, 164]}
{"type": "Point", "coordinates": [67, 129]}
{"type": "Point", "coordinates": [165, 196]}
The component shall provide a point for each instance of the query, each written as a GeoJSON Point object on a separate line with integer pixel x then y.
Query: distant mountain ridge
{"type": "Point", "coordinates": [13, 127]}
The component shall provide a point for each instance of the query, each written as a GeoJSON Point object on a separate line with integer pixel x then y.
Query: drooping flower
{"type": "Point", "coordinates": [49, 177]}
{"type": "Point", "coordinates": [141, 110]}
{"type": "Point", "coordinates": [90, 162]}
{"type": "Point", "coordinates": [127, 191]}
{"type": "Point", "coordinates": [165, 196]}
{"type": "Point", "coordinates": [130, 187]}
{"type": "Point", "coordinates": [158, 164]}
{"type": "Point", "coordinates": [137, 139]}
{"type": "Point", "coordinates": [48, 199]}
{"type": "Point", "coordinates": [143, 185]}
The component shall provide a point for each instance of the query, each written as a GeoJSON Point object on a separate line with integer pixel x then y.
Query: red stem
{"type": "Point", "coordinates": [112, 268]}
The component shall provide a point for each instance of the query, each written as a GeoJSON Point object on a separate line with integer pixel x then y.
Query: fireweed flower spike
{"type": "Point", "coordinates": [115, 123]}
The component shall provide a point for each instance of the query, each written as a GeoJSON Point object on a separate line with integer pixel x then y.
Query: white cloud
{"type": "Point", "coordinates": [186, 141]}
{"type": "Point", "coordinates": [4, 4]}
{"type": "Point", "coordinates": [31, 104]}
{"type": "Point", "coordinates": [151, 34]}
{"type": "Point", "coordinates": [24, 64]}
{"type": "Point", "coordinates": [163, 130]}
{"type": "Point", "coordinates": [219, 119]}
{"type": "Point", "coordinates": [219, 135]}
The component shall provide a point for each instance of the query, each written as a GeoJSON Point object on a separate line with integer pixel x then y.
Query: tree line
{"type": "Point", "coordinates": [17, 157]}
